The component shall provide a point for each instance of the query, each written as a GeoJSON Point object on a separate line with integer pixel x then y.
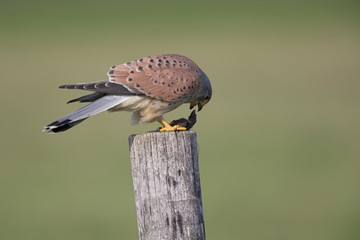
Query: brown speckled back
{"type": "Point", "coordinates": [168, 77]}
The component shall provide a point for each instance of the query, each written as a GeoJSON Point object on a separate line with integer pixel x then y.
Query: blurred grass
{"type": "Point", "coordinates": [278, 143]}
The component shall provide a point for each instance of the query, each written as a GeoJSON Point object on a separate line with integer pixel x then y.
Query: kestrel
{"type": "Point", "coordinates": [148, 87]}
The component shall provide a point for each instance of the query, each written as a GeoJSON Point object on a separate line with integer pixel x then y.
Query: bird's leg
{"type": "Point", "coordinates": [168, 127]}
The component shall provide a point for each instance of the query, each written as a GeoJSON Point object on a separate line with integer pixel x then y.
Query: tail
{"type": "Point", "coordinates": [76, 117]}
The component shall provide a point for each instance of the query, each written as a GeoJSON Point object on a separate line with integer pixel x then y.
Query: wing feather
{"type": "Point", "coordinates": [167, 77]}
{"type": "Point", "coordinates": [105, 87]}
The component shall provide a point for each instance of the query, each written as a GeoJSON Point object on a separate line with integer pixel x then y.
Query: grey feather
{"type": "Point", "coordinates": [81, 114]}
{"type": "Point", "coordinates": [105, 87]}
{"type": "Point", "coordinates": [88, 98]}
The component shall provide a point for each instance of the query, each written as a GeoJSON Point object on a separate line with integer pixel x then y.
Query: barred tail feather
{"type": "Point", "coordinates": [74, 118]}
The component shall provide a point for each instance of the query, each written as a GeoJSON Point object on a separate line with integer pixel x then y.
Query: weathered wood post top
{"type": "Point", "coordinates": [166, 179]}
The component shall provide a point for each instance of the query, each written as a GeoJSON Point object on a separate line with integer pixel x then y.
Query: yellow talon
{"type": "Point", "coordinates": [173, 128]}
{"type": "Point", "coordinates": [168, 127]}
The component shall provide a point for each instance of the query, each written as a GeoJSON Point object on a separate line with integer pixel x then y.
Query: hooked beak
{"type": "Point", "coordinates": [199, 104]}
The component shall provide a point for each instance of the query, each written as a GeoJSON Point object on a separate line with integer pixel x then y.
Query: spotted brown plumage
{"type": "Point", "coordinates": [149, 87]}
{"type": "Point", "coordinates": [167, 77]}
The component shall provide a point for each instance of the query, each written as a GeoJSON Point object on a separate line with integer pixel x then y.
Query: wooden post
{"type": "Point", "coordinates": [166, 179]}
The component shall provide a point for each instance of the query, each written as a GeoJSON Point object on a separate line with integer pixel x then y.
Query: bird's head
{"type": "Point", "coordinates": [205, 94]}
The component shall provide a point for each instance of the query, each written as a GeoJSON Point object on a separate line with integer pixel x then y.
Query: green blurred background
{"type": "Point", "coordinates": [279, 143]}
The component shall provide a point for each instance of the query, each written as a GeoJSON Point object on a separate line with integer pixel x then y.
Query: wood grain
{"type": "Point", "coordinates": [166, 179]}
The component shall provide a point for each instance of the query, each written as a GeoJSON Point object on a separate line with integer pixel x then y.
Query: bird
{"type": "Point", "coordinates": [148, 87]}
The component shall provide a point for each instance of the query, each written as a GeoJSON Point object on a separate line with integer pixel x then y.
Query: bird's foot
{"type": "Point", "coordinates": [172, 128]}
{"type": "Point", "coordinates": [181, 124]}
{"type": "Point", "coordinates": [167, 127]}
